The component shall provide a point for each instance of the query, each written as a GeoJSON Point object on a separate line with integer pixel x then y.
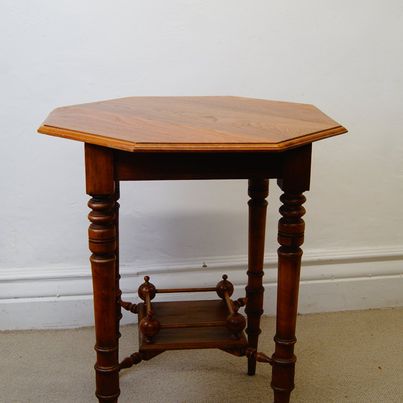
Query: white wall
{"type": "Point", "coordinates": [345, 57]}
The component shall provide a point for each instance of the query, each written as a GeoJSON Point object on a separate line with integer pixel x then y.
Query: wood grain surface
{"type": "Point", "coordinates": [218, 123]}
{"type": "Point", "coordinates": [214, 311]}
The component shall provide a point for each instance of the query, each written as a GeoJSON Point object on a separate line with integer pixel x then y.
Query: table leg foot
{"type": "Point", "coordinates": [281, 396]}
{"type": "Point", "coordinates": [107, 399]}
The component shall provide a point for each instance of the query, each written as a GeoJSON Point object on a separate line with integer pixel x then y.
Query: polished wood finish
{"type": "Point", "coordinates": [150, 325]}
{"type": "Point", "coordinates": [146, 289]}
{"type": "Point", "coordinates": [206, 328]}
{"type": "Point", "coordinates": [102, 234]}
{"type": "Point", "coordinates": [179, 290]}
{"type": "Point", "coordinates": [224, 288]}
{"type": "Point", "coordinates": [117, 266]}
{"type": "Point", "coordinates": [187, 165]}
{"type": "Point", "coordinates": [290, 237]}
{"type": "Point", "coordinates": [99, 170]}
{"type": "Point", "coordinates": [176, 138]}
{"type": "Point", "coordinates": [102, 237]}
{"type": "Point", "coordinates": [192, 124]}
{"type": "Point", "coordinates": [258, 190]}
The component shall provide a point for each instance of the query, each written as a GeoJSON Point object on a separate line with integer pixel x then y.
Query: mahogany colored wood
{"type": "Point", "coordinates": [102, 236]}
{"type": "Point", "coordinates": [150, 326]}
{"type": "Point", "coordinates": [176, 138]}
{"type": "Point", "coordinates": [258, 190]}
{"type": "Point", "coordinates": [192, 124]}
{"type": "Point", "coordinates": [117, 266]}
{"type": "Point", "coordinates": [146, 289]}
{"type": "Point", "coordinates": [129, 306]}
{"type": "Point", "coordinates": [178, 290]}
{"type": "Point", "coordinates": [174, 312]}
{"type": "Point", "coordinates": [207, 318]}
{"type": "Point", "coordinates": [99, 170]}
{"type": "Point", "coordinates": [224, 288]}
{"type": "Point", "coordinates": [188, 165]}
{"type": "Point", "coordinates": [102, 243]}
{"type": "Point", "coordinates": [290, 237]}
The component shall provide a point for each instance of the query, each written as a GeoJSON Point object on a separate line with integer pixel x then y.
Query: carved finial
{"type": "Point", "coordinates": [146, 288]}
{"type": "Point", "coordinates": [224, 286]}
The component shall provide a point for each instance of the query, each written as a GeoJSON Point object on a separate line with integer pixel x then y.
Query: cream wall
{"type": "Point", "coordinates": [345, 57]}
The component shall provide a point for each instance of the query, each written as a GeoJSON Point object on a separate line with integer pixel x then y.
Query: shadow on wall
{"type": "Point", "coordinates": [173, 236]}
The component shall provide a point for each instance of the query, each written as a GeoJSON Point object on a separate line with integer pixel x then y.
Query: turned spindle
{"type": "Point", "coordinates": [149, 326]}
{"type": "Point", "coordinates": [128, 306]}
{"type": "Point", "coordinates": [128, 362]}
{"type": "Point", "coordinates": [240, 302]}
{"type": "Point", "coordinates": [258, 356]}
{"type": "Point", "coordinates": [235, 321]}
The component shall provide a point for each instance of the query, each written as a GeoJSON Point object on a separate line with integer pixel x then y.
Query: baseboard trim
{"type": "Point", "coordinates": [331, 280]}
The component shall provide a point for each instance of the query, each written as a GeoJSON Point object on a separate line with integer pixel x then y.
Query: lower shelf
{"type": "Point", "coordinates": [211, 315]}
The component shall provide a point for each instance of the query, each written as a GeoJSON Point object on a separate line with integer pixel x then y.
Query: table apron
{"type": "Point", "coordinates": [181, 166]}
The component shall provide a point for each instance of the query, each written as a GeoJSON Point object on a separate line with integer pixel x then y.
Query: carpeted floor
{"type": "Point", "coordinates": [342, 357]}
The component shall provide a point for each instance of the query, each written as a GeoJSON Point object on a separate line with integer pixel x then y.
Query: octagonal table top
{"type": "Point", "coordinates": [200, 123]}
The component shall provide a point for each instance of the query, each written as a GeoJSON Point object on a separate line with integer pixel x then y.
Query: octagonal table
{"type": "Point", "coordinates": [177, 138]}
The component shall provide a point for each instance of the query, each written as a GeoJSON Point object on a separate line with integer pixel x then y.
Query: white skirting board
{"type": "Point", "coordinates": [336, 280]}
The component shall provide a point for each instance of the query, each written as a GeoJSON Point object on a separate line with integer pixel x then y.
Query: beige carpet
{"type": "Point", "coordinates": [342, 357]}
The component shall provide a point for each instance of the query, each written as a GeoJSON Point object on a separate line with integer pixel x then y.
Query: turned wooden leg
{"type": "Point", "coordinates": [258, 191]}
{"type": "Point", "coordinates": [117, 267]}
{"type": "Point", "coordinates": [295, 180]}
{"type": "Point", "coordinates": [290, 237]}
{"type": "Point", "coordinates": [102, 242]}
{"type": "Point", "coordinates": [102, 235]}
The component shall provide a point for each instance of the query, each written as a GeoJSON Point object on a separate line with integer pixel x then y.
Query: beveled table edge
{"type": "Point", "coordinates": [123, 145]}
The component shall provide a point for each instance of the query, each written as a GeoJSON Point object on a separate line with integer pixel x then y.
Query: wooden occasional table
{"type": "Point", "coordinates": [176, 138]}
